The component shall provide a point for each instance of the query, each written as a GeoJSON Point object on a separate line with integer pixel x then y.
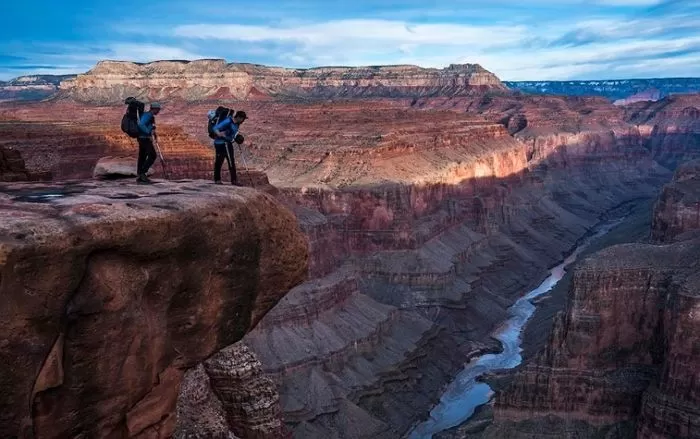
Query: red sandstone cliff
{"type": "Point", "coordinates": [672, 126]}
{"type": "Point", "coordinates": [112, 81]}
{"type": "Point", "coordinates": [67, 140]}
{"type": "Point", "coordinates": [423, 227]}
{"type": "Point", "coordinates": [112, 291]}
{"type": "Point", "coordinates": [622, 360]}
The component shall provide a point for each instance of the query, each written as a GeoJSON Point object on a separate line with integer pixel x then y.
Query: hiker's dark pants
{"type": "Point", "coordinates": [221, 154]}
{"type": "Point", "coordinates": [147, 155]}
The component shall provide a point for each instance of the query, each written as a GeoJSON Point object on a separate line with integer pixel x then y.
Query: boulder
{"type": "Point", "coordinates": [109, 168]}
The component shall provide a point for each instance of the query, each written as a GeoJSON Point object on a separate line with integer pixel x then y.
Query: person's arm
{"type": "Point", "coordinates": [144, 123]}
{"type": "Point", "coordinates": [220, 127]}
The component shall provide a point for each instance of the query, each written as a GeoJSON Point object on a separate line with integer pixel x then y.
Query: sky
{"type": "Point", "coordinates": [516, 40]}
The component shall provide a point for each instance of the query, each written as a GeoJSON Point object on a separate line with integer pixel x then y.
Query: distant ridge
{"type": "Point", "coordinates": [612, 89]}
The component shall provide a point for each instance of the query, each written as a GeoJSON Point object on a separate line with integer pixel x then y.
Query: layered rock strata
{"type": "Point", "coordinates": [112, 291]}
{"type": "Point", "coordinates": [412, 276]}
{"type": "Point", "coordinates": [227, 395]}
{"type": "Point", "coordinates": [677, 209]}
{"type": "Point", "coordinates": [31, 88]}
{"type": "Point", "coordinates": [214, 79]}
{"type": "Point", "coordinates": [71, 150]}
{"type": "Point", "coordinates": [672, 126]}
{"type": "Point", "coordinates": [622, 359]}
{"type": "Point", "coordinates": [423, 227]}
{"type": "Point", "coordinates": [12, 167]}
{"type": "Point", "coordinates": [669, 127]}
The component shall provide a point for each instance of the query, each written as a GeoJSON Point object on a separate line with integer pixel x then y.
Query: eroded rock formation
{"type": "Point", "coordinates": [622, 360]}
{"type": "Point", "coordinates": [423, 224]}
{"type": "Point", "coordinates": [51, 140]}
{"type": "Point", "coordinates": [112, 81]}
{"type": "Point", "coordinates": [227, 395]}
{"type": "Point", "coordinates": [12, 167]}
{"type": "Point", "coordinates": [678, 207]}
{"type": "Point", "coordinates": [112, 291]}
{"type": "Point", "coordinates": [420, 240]}
{"type": "Point", "coordinates": [672, 126]}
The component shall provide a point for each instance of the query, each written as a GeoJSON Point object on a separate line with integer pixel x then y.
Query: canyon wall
{"type": "Point", "coordinates": [425, 219]}
{"type": "Point", "coordinates": [420, 239]}
{"type": "Point", "coordinates": [622, 360]}
{"type": "Point", "coordinates": [112, 291]}
{"type": "Point", "coordinates": [68, 140]}
{"type": "Point", "coordinates": [672, 126]}
{"type": "Point", "coordinates": [31, 88]}
{"type": "Point", "coordinates": [113, 81]}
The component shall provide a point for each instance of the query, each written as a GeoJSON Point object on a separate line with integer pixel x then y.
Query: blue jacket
{"type": "Point", "coordinates": [146, 124]}
{"type": "Point", "coordinates": [229, 128]}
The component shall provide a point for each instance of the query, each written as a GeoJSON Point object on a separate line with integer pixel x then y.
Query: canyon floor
{"type": "Point", "coordinates": [425, 220]}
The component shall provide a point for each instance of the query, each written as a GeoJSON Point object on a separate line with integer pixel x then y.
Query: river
{"type": "Point", "coordinates": [464, 395]}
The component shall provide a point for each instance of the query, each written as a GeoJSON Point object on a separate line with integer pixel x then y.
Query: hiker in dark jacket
{"type": "Point", "coordinates": [227, 130]}
{"type": "Point", "coordinates": [147, 153]}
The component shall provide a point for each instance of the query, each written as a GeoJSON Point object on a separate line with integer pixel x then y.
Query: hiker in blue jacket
{"type": "Point", "coordinates": [147, 153]}
{"type": "Point", "coordinates": [227, 131]}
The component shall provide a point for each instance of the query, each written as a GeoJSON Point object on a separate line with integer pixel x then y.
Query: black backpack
{"type": "Point", "coordinates": [220, 114]}
{"type": "Point", "coordinates": [130, 120]}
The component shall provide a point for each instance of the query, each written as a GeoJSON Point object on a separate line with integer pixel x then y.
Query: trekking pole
{"type": "Point", "coordinates": [240, 148]}
{"type": "Point", "coordinates": [160, 154]}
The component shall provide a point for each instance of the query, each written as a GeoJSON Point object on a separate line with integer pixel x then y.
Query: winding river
{"type": "Point", "coordinates": [463, 395]}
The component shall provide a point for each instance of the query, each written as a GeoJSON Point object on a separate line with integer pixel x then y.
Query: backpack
{"type": "Point", "coordinates": [130, 120]}
{"type": "Point", "coordinates": [216, 116]}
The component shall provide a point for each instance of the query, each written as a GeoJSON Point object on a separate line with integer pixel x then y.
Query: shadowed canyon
{"type": "Point", "coordinates": [391, 218]}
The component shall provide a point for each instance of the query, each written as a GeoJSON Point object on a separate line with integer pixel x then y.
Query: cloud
{"type": "Point", "coordinates": [540, 39]}
{"type": "Point", "coordinates": [55, 58]}
{"type": "Point", "coordinates": [353, 32]}
{"type": "Point", "coordinates": [551, 50]}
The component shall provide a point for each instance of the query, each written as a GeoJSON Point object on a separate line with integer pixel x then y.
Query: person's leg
{"type": "Point", "coordinates": [151, 156]}
{"type": "Point", "coordinates": [231, 163]}
{"type": "Point", "coordinates": [141, 159]}
{"type": "Point", "coordinates": [218, 161]}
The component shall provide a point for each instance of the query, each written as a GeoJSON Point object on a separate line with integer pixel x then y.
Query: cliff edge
{"type": "Point", "coordinates": [112, 291]}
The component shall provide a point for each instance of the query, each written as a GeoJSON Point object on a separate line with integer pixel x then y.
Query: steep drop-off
{"type": "Point", "coordinates": [416, 258]}
{"type": "Point", "coordinates": [424, 226]}
{"type": "Point", "coordinates": [214, 79]}
{"type": "Point", "coordinates": [112, 291]}
{"type": "Point", "coordinates": [623, 360]}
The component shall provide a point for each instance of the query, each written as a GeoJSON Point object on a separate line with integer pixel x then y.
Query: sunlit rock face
{"type": "Point", "coordinates": [112, 81]}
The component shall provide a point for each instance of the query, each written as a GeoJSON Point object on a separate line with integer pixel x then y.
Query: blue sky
{"type": "Point", "coordinates": [517, 40]}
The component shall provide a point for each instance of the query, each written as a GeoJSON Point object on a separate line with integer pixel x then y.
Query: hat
{"type": "Point", "coordinates": [155, 105]}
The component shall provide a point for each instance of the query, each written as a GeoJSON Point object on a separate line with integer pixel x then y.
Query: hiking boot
{"type": "Point", "coordinates": [218, 182]}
